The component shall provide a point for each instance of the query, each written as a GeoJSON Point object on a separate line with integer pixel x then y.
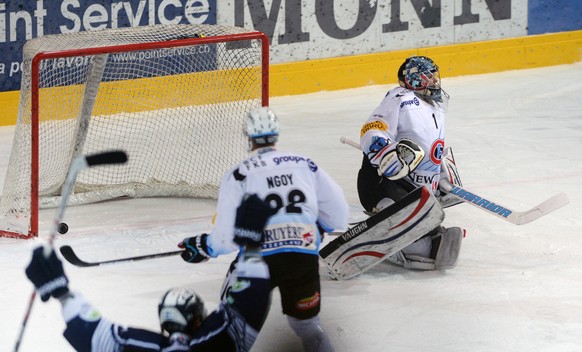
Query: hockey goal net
{"type": "Point", "coordinates": [173, 97]}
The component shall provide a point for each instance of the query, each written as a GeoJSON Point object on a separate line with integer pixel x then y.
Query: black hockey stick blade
{"type": "Point", "coordinates": [111, 157]}
{"type": "Point", "coordinates": [70, 256]}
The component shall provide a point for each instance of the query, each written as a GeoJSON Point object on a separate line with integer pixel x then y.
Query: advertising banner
{"type": "Point", "coordinates": [21, 20]}
{"type": "Point", "coordinates": [305, 29]}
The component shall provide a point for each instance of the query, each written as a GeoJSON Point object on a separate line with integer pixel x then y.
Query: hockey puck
{"type": "Point", "coordinates": [63, 228]}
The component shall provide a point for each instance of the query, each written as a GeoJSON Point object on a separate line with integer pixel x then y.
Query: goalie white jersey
{"type": "Point", "coordinates": [402, 114]}
{"type": "Point", "coordinates": [303, 193]}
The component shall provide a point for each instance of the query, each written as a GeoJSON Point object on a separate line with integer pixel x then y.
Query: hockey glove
{"type": "Point", "coordinates": [47, 274]}
{"type": "Point", "coordinates": [195, 249]}
{"type": "Point", "coordinates": [402, 159]}
{"type": "Point", "coordinates": [251, 217]}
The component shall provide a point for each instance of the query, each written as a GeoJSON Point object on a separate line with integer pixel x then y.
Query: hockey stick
{"type": "Point", "coordinates": [79, 163]}
{"type": "Point", "coordinates": [70, 255]}
{"type": "Point", "coordinates": [502, 212]}
{"type": "Point", "coordinates": [514, 217]}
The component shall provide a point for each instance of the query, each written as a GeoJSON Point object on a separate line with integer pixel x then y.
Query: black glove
{"type": "Point", "coordinates": [251, 217]}
{"type": "Point", "coordinates": [47, 274]}
{"type": "Point", "coordinates": [195, 249]}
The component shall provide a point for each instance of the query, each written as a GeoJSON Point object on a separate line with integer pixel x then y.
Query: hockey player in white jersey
{"type": "Point", "coordinates": [307, 202]}
{"type": "Point", "coordinates": [403, 142]}
{"type": "Point", "coordinates": [185, 324]}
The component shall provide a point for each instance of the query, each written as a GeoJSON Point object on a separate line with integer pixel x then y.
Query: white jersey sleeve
{"type": "Point", "coordinates": [229, 197]}
{"type": "Point", "coordinates": [333, 208]}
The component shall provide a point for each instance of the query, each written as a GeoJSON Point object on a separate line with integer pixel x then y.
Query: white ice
{"type": "Point", "coordinates": [517, 138]}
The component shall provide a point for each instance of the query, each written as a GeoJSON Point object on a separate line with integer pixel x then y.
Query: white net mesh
{"type": "Point", "coordinates": [178, 112]}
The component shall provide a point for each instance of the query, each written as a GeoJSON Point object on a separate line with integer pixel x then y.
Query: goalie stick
{"type": "Point", "coordinates": [79, 163]}
{"type": "Point", "coordinates": [502, 212]}
{"type": "Point", "coordinates": [70, 256]}
{"type": "Point", "coordinates": [515, 217]}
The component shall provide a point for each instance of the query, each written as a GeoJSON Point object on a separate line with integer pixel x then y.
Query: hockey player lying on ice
{"type": "Point", "coordinates": [185, 326]}
{"type": "Point", "coordinates": [403, 142]}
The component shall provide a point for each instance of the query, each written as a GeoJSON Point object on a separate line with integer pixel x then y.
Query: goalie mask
{"type": "Point", "coordinates": [262, 126]}
{"type": "Point", "coordinates": [421, 74]}
{"type": "Point", "coordinates": [181, 310]}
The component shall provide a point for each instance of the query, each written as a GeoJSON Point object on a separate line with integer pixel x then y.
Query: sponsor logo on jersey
{"type": "Point", "coordinates": [425, 180]}
{"type": "Point", "coordinates": [436, 151]}
{"type": "Point", "coordinates": [309, 302]}
{"type": "Point", "coordinates": [374, 125]}
{"type": "Point", "coordinates": [413, 101]}
{"type": "Point", "coordinates": [288, 236]}
{"type": "Point", "coordinates": [283, 236]}
{"type": "Point", "coordinates": [295, 159]}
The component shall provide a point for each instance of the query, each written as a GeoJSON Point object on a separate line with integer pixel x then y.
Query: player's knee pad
{"type": "Point", "coordinates": [411, 261]}
{"type": "Point", "coordinates": [382, 204]}
{"type": "Point", "coordinates": [448, 247]}
{"type": "Point", "coordinates": [444, 251]}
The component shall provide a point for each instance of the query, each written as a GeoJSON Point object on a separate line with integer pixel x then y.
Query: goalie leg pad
{"type": "Point", "coordinates": [383, 234]}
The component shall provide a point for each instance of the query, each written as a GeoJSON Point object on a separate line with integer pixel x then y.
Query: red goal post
{"type": "Point", "coordinates": [173, 97]}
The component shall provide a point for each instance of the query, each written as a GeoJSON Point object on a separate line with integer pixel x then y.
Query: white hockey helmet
{"type": "Point", "coordinates": [181, 310]}
{"type": "Point", "coordinates": [262, 125]}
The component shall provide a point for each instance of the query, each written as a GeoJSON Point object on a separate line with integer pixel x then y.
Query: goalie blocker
{"type": "Point", "coordinates": [387, 232]}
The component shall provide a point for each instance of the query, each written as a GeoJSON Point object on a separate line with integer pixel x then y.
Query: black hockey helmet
{"type": "Point", "coordinates": [181, 310]}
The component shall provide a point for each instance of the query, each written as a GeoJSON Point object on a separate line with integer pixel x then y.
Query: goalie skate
{"type": "Point", "coordinates": [383, 234]}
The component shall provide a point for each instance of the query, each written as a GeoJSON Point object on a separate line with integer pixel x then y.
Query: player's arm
{"type": "Point", "coordinates": [250, 295]}
{"type": "Point", "coordinates": [331, 202]}
{"type": "Point", "coordinates": [86, 329]}
{"type": "Point", "coordinates": [200, 248]}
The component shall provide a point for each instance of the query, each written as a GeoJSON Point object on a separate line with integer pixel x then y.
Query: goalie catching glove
{"type": "Point", "coordinates": [400, 159]}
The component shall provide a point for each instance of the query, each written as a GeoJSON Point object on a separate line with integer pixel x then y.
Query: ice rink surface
{"type": "Point", "coordinates": [517, 139]}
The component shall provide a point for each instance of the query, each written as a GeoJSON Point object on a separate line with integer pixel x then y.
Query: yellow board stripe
{"type": "Point", "coordinates": [362, 70]}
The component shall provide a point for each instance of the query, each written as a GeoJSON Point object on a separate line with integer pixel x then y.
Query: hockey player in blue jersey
{"type": "Point", "coordinates": [403, 142]}
{"type": "Point", "coordinates": [308, 202]}
{"type": "Point", "coordinates": [185, 325]}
